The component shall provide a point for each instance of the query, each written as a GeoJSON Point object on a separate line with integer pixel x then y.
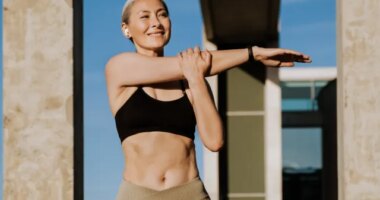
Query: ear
{"type": "Point", "coordinates": [126, 33]}
{"type": "Point", "coordinates": [125, 30]}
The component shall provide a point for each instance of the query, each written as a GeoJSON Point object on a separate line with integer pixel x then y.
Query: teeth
{"type": "Point", "coordinates": [156, 34]}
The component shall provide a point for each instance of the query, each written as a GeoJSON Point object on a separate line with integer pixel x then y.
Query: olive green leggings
{"type": "Point", "coordinates": [193, 190]}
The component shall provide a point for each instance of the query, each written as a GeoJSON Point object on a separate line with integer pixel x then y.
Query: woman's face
{"type": "Point", "coordinates": [149, 24]}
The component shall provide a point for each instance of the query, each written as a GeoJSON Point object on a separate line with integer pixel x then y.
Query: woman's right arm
{"type": "Point", "coordinates": [134, 69]}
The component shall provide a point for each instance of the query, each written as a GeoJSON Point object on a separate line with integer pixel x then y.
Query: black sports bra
{"type": "Point", "coordinates": [141, 113]}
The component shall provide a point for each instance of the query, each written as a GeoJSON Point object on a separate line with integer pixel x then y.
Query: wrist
{"type": "Point", "coordinates": [253, 52]}
{"type": "Point", "coordinates": [256, 53]}
{"type": "Point", "coordinates": [194, 81]}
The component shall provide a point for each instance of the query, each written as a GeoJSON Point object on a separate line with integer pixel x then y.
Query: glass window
{"type": "Point", "coordinates": [301, 95]}
{"type": "Point", "coordinates": [301, 148]}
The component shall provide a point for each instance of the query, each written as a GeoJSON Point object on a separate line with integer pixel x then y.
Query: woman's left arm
{"type": "Point", "coordinates": [209, 123]}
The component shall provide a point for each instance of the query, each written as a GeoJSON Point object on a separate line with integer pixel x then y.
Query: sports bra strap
{"type": "Point", "coordinates": [183, 86]}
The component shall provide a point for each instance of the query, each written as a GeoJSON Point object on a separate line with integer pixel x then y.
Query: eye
{"type": "Point", "coordinates": [144, 17]}
{"type": "Point", "coordinates": [163, 14]}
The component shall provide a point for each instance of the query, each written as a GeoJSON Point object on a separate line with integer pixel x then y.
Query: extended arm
{"type": "Point", "coordinates": [272, 57]}
{"type": "Point", "coordinates": [134, 69]}
{"type": "Point", "coordinates": [223, 60]}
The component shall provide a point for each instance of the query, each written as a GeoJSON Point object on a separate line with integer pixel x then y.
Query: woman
{"type": "Point", "coordinates": [157, 101]}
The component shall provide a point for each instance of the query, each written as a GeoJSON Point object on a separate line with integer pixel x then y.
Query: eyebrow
{"type": "Point", "coordinates": [147, 11]}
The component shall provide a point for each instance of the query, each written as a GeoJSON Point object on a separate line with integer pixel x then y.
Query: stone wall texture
{"type": "Point", "coordinates": [38, 102]}
{"type": "Point", "coordinates": [358, 99]}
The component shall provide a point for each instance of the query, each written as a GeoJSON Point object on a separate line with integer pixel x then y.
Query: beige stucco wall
{"type": "Point", "coordinates": [358, 36]}
{"type": "Point", "coordinates": [37, 81]}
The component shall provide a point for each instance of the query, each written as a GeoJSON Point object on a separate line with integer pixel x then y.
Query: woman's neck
{"type": "Point", "coordinates": [149, 52]}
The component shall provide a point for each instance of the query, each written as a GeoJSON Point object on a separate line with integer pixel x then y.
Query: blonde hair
{"type": "Point", "coordinates": [126, 12]}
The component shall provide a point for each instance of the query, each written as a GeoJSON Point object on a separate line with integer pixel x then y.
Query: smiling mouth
{"type": "Point", "coordinates": [156, 34]}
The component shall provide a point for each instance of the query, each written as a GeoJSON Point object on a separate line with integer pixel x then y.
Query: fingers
{"type": "Point", "coordinates": [190, 51]}
{"type": "Point", "coordinates": [180, 56]}
{"type": "Point", "coordinates": [292, 52]}
{"type": "Point", "coordinates": [206, 56]}
{"type": "Point", "coordinates": [293, 56]}
{"type": "Point", "coordinates": [286, 64]}
{"type": "Point", "coordinates": [298, 56]}
{"type": "Point", "coordinates": [277, 63]}
{"type": "Point", "coordinates": [303, 58]}
{"type": "Point", "coordinates": [278, 57]}
{"type": "Point", "coordinates": [197, 50]}
{"type": "Point", "coordinates": [306, 59]}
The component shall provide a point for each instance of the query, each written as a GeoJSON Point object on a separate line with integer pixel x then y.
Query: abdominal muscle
{"type": "Point", "coordinates": [159, 160]}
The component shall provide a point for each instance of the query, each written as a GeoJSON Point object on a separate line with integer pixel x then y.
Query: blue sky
{"type": "Point", "coordinates": [306, 25]}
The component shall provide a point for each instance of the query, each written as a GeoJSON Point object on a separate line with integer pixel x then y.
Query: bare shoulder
{"type": "Point", "coordinates": [124, 55]}
{"type": "Point", "coordinates": [117, 92]}
{"type": "Point", "coordinates": [117, 66]}
{"type": "Point", "coordinates": [119, 59]}
{"type": "Point", "coordinates": [130, 69]}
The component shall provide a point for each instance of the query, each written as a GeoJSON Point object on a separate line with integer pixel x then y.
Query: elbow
{"type": "Point", "coordinates": [216, 146]}
{"type": "Point", "coordinates": [215, 141]}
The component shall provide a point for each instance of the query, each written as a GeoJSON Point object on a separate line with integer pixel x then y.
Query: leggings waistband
{"type": "Point", "coordinates": [192, 190]}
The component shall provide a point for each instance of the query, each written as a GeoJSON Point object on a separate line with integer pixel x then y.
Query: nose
{"type": "Point", "coordinates": [155, 22]}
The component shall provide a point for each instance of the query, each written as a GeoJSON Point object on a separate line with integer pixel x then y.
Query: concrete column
{"type": "Point", "coordinates": [273, 135]}
{"type": "Point", "coordinates": [38, 99]}
{"type": "Point", "coordinates": [211, 159]}
{"type": "Point", "coordinates": [358, 40]}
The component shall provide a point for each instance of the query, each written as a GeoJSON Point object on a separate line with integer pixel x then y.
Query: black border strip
{"type": "Point", "coordinates": [78, 98]}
